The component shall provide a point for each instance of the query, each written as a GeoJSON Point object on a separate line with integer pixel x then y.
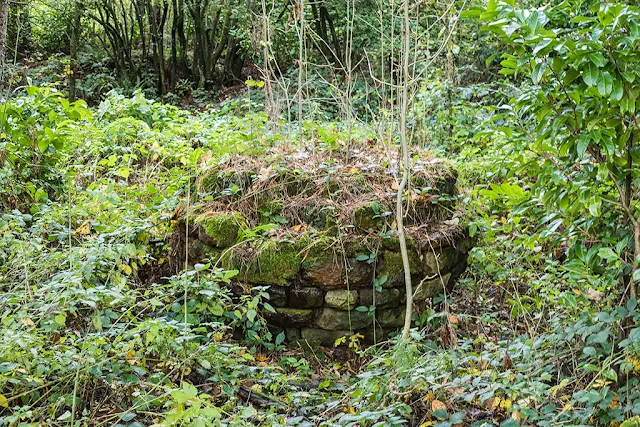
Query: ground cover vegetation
{"type": "Point", "coordinates": [158, 156]}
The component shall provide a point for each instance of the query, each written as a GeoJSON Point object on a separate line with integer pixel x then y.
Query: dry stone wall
{"type": "Point", "coordinates": [332, 261]}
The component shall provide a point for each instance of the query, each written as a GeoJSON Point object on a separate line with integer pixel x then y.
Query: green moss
{"type": "Point", "coordinates": [392, 266]}
{"type": "Point", "coordinates": [274, 263]}
{"type": "Point", "coordinates": [316, 250]}
{"type": "Point", "coordinates": [207, 182]}
{"type": "Point", "coordinates": [221, 227]}
{"type": "Point", "coordinates": [216, 181]}
{"type": "Point", "coordinates": [370, 216]}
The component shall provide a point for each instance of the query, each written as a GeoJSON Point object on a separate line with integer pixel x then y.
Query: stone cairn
{"type": "Point", "coordinates": [319, 234]}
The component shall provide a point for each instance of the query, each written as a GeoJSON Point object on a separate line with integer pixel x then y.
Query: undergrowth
{"type": "Point", "coordinates": [99, 330]}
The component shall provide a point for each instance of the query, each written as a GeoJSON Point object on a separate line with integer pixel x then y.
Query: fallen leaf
{"type": "Point", "coordinates": [507, 363]}
{"type": "Point", "coordinates": [452, 319]}
{"type": "Point", "coordinates": [437, 404]}
{"type": "Point", "coordinates": [594, 295]}
{"type": "Point", "coordinates": [4, 403]}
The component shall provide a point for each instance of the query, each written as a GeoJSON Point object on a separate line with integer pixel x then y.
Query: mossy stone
{"type": "Point", "coordinates": [388, 297]}
{"type": "Point", "coordinates": [368, 217]}
{"type": "Point", "coordinates": [278, 295]}
{"type": "Point", "coordinates": [272, 264]}
{"type": "Point", "coordinates": [327, 275]}
{"type": "Point", "coordinates": [320, 267]}
{"type": "Point", "coordinates": [333, 319]}
{"type": "Point", "coordinates": [324, 337]}
{"type": "Point", "coordinates": [341, 299]}
{"type": "Point", "coordinates": [431, 288]}
{"type": "Point", "coordinates": [391, 318]}
{"type": "Point", "coordinates": [393, 267]}
{"type": "Point", "coordinates": [306, 297]}
{"type": "Point", "coordinates": [359, 274]}
{"type": "Point", "coordinates": [288, 317]}
{"type": "Point", "coordinates": [219, 229]}
{"type": "Point", "coordinates": [440, 261]}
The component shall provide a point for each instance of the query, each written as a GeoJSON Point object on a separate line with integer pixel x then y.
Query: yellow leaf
{"type": "Point", "coordinates": [354, 170]}
{"type": "Point", "coordinates": [4, 403]}
{"type": "Point", "coordinates": [428, 397]}
{"type": "Point", "coordinates": [297, 228]}
{"type": "Point", "coordinates": [506, 404]}
{"type": "Point", "coordinates": [126, 269]}
{"type": "Point", "coordinates": [436, 405]}
{"type": "Point", "coordinates": [84, 229]}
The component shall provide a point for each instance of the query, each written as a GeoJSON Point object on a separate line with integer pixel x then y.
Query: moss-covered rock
{"type": "Point", "coordinates": [287, 317]}
{"type": "Point", "coordinates": [388, 297]}
{"type": "Point", "coordinates": [332, 319]}
{"type": "Point", "coordinates": [219, 229]}
{"type": "Point", "coordinates": [341, 299]}
{"type": "Point", "coordinates": [324, 337]}
{"type": "Point", "coordinates": [306, 297]}
{"type": "Point", "coordinates": [370, 217]}
{"type": "Point", "coordinates": [359, 274]}
{"type": "Point", "coordinates": [392, 267]}
{"type": "Point", "coordinates": [321, 267]}
{"type": "Point", "coordinates": [217, 181]}
{"type": "Point", "coordinates": [273, 263]}
{"type": "Point", "coordinates": [440, 261]}
{"type": "Point", "coordinates": [390, 318]}
{"type": "Point", "coordinates": [431, 288]}
{"type": "Point", "coordinates": [278, 295]}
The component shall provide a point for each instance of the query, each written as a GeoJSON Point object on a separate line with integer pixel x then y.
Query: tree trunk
{"type": "Point", "coordinates": [4, 23]}
{"type": "Point", "coordinates": [405, 172]}
{"type": "Point", "coordinates": [73, 48]}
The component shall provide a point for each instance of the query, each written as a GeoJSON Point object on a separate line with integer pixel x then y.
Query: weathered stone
{"type": "Point", "coordinates": [388, 297]}
{"type": "Point", "coordinates": [359, 274]}
{"type": "Point", "coordinates": [439, 262]}
{"type": "Point", "coordinates": [306, 297]}
{"type": "Point", "coordinates": [341, 299]}
{"type": "Point", "coordinates": [287, 317]}
{"type": "Point", "coordinates": [390, 318]}
{"type": "Point", "coordinates": [324, 337]}
{"type": "Point", "coordinates": [197, 250]}
{"type": "Point", "coordinates": [392, 267]}
{"type": "Point", "coordinates": [271, 264]}
{"type": "Point", "coordinates": [292, 334]}
{"type": "Point", "coordinates": [368, 217]}
{"type": "Point", "coordinates": [431, 288]}
{"type": "Point", "coordinates": [333, 319]}
{"type": "Point", "coordinates": [325, 275]}
{"type": "Point", "coordinates": [219, 229]}
{"type": "Point", "coordinates": [278, 295]}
